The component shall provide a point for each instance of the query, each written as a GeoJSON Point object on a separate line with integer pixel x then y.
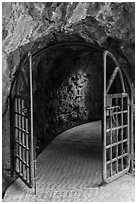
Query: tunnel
{"type": "Point", "coordinates": [74, 97]}
{"type": "Point", "coordinates": [68, 90]}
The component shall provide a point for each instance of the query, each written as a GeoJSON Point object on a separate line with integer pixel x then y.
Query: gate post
{"type": "Point", "coordinates": [33, 160]}
{"type": "Point", "coordinates": [12, 141]}
{"type": "Point", "coordinates": [131, 132]}
{"type": "Point", "coordinates": [104, 118]}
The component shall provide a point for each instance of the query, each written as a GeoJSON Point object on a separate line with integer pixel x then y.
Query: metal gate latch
{"type": "Point", "coordinates": [25, 110]}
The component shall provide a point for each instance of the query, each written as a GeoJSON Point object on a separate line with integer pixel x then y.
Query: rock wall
{"type": "Point", "coordinates": [70, 94]}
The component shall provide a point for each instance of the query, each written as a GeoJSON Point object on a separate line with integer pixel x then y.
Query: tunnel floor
{"type": "Point", "coordinates": [69, 169]}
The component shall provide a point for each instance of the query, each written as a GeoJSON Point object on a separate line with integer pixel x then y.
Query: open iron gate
{"type": "Point", "coordinates": [21, 113]}
{"type": "Point", "coordinates": [116, 143]}
{"type": "Point", "coordinates": [115, 122]}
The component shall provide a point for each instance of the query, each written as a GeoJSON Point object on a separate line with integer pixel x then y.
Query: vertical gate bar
{"type": "Point", "coordinates": [28, 168]}
{"type": "Point", "coordinates": [18, 136]}
{"type": "Point", "coordinates": [111, 137]}
{"type": "Point", "coordinates": [117, 124]}
{"type": "Point", "coordinates": [31, 121]}
{"type": "Point", "coordinates": [122, 81]}
{"type": "Point", "coordinates": [23, 149]}
{"type": "Point", "coordinates": [21, 136]}
{"type": "Point", "coordinates": [25, 146]}
{"type": "Point", "coordinates": [131, 133]}
{"type": "Point", "coordinates": [12, 127]}
{"type": "Point", "coordinates": [128, 131]}
{"type": "Point", "coordinates": [18, 146]}
{"type": "Point", "coordinates": [104, 169]}
{"type": "Point", "coordinates": [12, 135]}
{"type": "Point", "coordinates": [16, 132]}
{"type": "Point", "coordinates": [35, 176]}
{"type": "Point", "coordinates": [122, 131]}
{"type": "Point", "coordinates": [27, 129]}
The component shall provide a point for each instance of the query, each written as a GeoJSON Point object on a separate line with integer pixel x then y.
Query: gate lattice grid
{"type": "Point", "coordinates": [23, 158]}
{"type": "Point", "coordinates": [22, 138]}
{"type": "Point", "coordinates": [117, 135]}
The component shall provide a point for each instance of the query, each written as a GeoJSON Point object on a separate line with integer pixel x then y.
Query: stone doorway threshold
{"type": "Point", "coordinates": [69, 169]}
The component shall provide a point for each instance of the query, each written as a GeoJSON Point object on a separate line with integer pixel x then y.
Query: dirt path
{"type": "Point", "coordinates": [69, 169]}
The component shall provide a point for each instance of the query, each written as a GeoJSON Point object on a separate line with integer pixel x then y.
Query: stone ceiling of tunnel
{"type": "Point", "coordinates": [107, 24]}
{"type": "Point", "coordinates": [24, 22]}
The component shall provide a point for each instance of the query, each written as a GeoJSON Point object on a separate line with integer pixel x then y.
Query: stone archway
{"type": "Point", "coordinates": [119, 41]}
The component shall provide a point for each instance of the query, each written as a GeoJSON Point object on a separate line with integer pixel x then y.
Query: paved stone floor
{"type": "Point", "coordinates": [69, 169]}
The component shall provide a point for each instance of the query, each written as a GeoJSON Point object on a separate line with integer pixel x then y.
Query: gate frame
{"type": "Point", "coordinates": [122, 73]}
{"type": "Point", "coordinates": [106, 88]}
{"type": "Point", "coordinates": [31, 154]}
{"type": "Point", "coordinates": [62, 44]}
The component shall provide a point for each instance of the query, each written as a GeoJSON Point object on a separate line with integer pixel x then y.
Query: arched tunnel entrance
{"type": "Point", "coordinates": [69, 94]}
{"type": "Point", "coordinates": [67, 85]}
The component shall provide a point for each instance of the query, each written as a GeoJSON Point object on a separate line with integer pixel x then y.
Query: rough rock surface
{"type": "Point", "coordinates": [107, 24]}
{"type": "Point", "coordinates": [70, 93]}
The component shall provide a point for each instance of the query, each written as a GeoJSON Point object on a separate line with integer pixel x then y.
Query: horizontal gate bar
{"type": "Point", "coordinates": [22, 130]}
{"type": "Point", "coordinates": [25, 163]}
{"type": "Point", "coordinates": [115, 113]}
{"type": "Point", "coordinates": [23, 115]}
{"type": "Point", "coordinates": [26, 148]}
{"type": "Point", "coordinates": [120, 95]}
{"type": "Point", "coordinates": [112, 107]}
{"type": "Point", "coordinates": [115, 159]}
{"type": "Point", "coordinates": [116, 128]}
{"type": "Point", "coordinates": [113, 177]}
{"type": "Point", "coordinates": [116, 143]}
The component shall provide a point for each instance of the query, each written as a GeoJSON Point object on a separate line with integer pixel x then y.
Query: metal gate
{"type": "Point", "coordinates": [21, 118]}
{"type": "Point", "coordinates": [116, 161]}
{"type": "Point", "coordinates": [115, 122]}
